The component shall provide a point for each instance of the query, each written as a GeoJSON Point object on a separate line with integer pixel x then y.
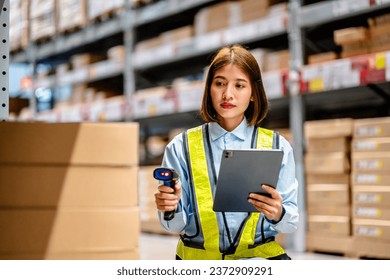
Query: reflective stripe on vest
{"type": "Point", "coordinates": [208, 218]}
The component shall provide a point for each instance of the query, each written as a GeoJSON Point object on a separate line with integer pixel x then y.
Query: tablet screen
{"type": "Point", "coordinates": [243, 172]}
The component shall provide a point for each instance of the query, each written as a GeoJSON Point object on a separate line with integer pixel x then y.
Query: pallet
{"type": "Point", "coordinates": [141, 3]}
{"type": "Point", "coordinates": [43, 39]}
{"type": "Point", "coordinates": [106, 15]}
{"type": "Point", "coordinates": [71, 29]}
{"type": "Point", "coordinates": [349, 246]}
{"type": "Point", "coordinates": [338, 245]}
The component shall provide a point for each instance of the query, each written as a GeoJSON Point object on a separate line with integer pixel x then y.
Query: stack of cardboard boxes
{"type": "Point", "coordinates": [371, 186]}
{"type": "Point", "coordinates": [69, 191]}
{"type": "Point", "coordinates": [72, 14]}
{"type": "Point", "coordinates": [43, 20]}
{"type": "Point", "coordinates": [327, 165]}
{"type": "Point", "coordinates": [18, 32]}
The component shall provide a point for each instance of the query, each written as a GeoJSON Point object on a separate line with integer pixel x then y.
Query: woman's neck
{"type": "Point", "coordinates": [230, 124]}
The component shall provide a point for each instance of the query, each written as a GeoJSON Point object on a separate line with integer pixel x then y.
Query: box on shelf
{"type": "Point", "coordinates": [370, 212]}
{"type": "Point", "coordinates": [328, 128]}
{"type": "Point", "coordinates": [329, 209]}
{"type": "Point", "coordinates": [177, 35]}
{"type": "Point", "coordinates": [84, 59]}
{"type": "Point", "coordinates": [104, 9]}
{"type": "Point", "coordinates": [327, 163]}
{"type": "Point", "coordinates": [378, 162]}
{"type": "Point", "coordinates": [370, 229]}
{"type": "Point", "coordinates": [277, 60]}
{"type": "Point", "coordinates": [329, 225]}
{"type": "Point", "coordinates": [326, 145]}
{"type": "Point", "coordinates": [373, 127]}
{"type": "Point", "coordinates": [367, 195]}
{"type": "Point", "coordinates": [322, 57]}
{"type": "Point", "coordinates": [216, 17]}
{"type": "Point", "coordinates": [117, 53]}
{"type": "Point", "coordinates": [323, 194]}
{"type": "Point", "coordinates": [350, 35]}
{"type": "Point", "coordinates": [43, 19]}
{"type": "Point", "coordinates": [72, 14]}
{"type": "Point", "coordinates": [370, 178]}
{"type": "Point", "coordinates": [19, 25]}
{"type": "Point", "coordinates": [153, 102]}
{"type": "Point", "coordinates": [375, 144]}
{"type": "Point", "coordinates": [355, 49]}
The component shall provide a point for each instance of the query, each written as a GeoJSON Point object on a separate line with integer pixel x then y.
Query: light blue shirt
{"type": "Point", "coordinates": [220, 139]}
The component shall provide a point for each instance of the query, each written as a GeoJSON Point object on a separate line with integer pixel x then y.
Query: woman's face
{"type": "Point", "coordinates": [231, 92]}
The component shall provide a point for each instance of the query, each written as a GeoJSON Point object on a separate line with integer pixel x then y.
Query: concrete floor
{"type": "Point", "coordinates": [162, 247]}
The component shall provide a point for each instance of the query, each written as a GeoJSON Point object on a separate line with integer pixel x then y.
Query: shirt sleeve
{"type": "Point", "coordinates": [174, 158]}
{"type": "Point", "coordinates": [288, 188]}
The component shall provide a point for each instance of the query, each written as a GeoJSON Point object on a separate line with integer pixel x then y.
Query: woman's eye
{"type": "Point", "coordinates": [219, 83]}
{"type": "Point", "coordinates": [239, 86]}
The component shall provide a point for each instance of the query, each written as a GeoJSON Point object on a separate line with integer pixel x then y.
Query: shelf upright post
{"type": "Point", "coordinates": [31, 58]}
{"type": "Point", "coordinates": [4, 56]}
{"type": "Point", "coordinates": [129, 76]}
{"type": "Point", "coordinates": [296, 241]}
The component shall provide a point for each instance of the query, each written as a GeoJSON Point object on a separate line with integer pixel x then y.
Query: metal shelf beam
{"type": "Point", "coordinates": [328, 11]}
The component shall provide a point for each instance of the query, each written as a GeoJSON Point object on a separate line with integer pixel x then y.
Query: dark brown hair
{"type": "Point", "coordinates": [241, 57]}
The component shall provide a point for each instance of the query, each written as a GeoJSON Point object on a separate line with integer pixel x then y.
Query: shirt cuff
{"type": "Point", "coordinates": [281, 217]}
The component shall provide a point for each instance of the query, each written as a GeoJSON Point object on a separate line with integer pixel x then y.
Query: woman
{"type": "Point", "coordinates": [234, 103]}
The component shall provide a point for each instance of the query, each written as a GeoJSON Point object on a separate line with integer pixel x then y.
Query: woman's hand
{"type": "Point", "coordinates": [271, 207]}
{"type": "Point", "coordinates": [167, 198]}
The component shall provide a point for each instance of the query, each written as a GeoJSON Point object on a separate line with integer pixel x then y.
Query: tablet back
{"type": "Point", "coordinates": [243, 172]}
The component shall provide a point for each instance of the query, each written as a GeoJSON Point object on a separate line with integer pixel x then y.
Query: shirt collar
{"type": "Point", "coordinates": [242, 131]}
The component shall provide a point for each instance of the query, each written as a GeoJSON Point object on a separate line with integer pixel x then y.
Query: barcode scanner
{"type": "Point", "coordinates": [169, 177]}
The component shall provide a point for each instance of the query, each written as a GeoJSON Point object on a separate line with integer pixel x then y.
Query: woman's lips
{"type": "Point", "coordinates": [227, 105]}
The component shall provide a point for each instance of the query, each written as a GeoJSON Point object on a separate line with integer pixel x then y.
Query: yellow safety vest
{"type": "Point", "coordinates": [208, 218]}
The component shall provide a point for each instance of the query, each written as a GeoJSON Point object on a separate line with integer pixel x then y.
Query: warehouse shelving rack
{"type": "Point", "coordinates": [310, 24]}
{"type": "Point", "coordinates": [4, 56]}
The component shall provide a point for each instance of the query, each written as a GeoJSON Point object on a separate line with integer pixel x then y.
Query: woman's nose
{"type": "Point", "coordinates": [228, 93]}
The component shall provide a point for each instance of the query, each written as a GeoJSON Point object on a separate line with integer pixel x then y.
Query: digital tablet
{"type": "Point", "coordinates": [243, 172]}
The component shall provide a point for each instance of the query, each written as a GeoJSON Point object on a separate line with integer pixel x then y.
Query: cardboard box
{"type": "Point", "coordinates": [370, 178]}
{"type": "Point", "coordinates": [328, 194]}
{"type": "Point", "coordinates": [108, 144]}
{"type": "Point", "coordinates": [370, 229]}
{"type": "Point", "coordinates": [367, 212]}
{"type": "Point", "coordinates": [329, 243]}
{"type": "Point", "coordinates": [330, 225]}
{"type": "Point", "coordinates": [373, 127]}
{"type": "Point", "coordinates": [371, 196]}
{"type": "Point", "coordinates": [328, 128]}
{"type": "Point", "coordinates": [322, 57]}
{"type": "Point", "coordinates": [71, 14]}
{"type": "Point", "coordinates": [70, 186]}
{"type": "Point", "coordinates": [68, 230]}
{"type": "Point", "coordinates": [328, 145]}
{"type": "Point", "coordinates": [329, 179]}
{"type": "Point", "coordinates": [329, 163]}
{"type": "Point", "coordinates": [378, 162]}
{"type": "Point", "coordinates": [329, 209]}
{"type": "Point", "coordinates": [350, 35]}
{"type": "Point", "coordinates": [371, 144]}
{"type": "Point", "coordinates": [119, 255]}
